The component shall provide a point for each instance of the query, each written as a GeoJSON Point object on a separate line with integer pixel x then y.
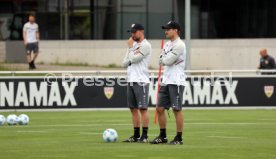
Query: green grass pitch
{"type": "Point", "coordinates": [208, 134]}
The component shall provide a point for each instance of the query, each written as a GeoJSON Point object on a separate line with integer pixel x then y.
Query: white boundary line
{"type": "Point", "coordinates": [103, 125]}
{"type": "Point", "coordinates": [31, 131]}
{"type": "Point", "coordinates": [228, 137]}
{"type": "Point", "coordinates": [126, 109]}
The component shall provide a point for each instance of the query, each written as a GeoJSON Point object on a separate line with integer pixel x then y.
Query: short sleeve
{"type": "Point", "coordinates": [25, 28]}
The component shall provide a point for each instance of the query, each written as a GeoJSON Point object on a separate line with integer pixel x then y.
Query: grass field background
{"type": "Point", "coordinates": [208, 134]}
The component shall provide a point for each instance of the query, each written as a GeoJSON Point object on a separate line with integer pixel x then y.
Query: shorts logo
{"type": "Point", "coordinates": [108, 92]}
{"type": "Point", "coordinates": [269, 90]}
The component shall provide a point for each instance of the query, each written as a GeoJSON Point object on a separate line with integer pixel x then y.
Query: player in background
{"type": "Point", "coordinates": [31, 39]}
{"type": "Point", "coordinates": [173, 59]}
{"type": "Point", "coordinates": [136, 61]}
{"type": "Point", "coordinates": [266, 62]}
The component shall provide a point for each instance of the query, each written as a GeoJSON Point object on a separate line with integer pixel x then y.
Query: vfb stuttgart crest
{"type": "Point", "coordinates": [269, 90]}
{"type": "Point", "coordinates": [108, 92]}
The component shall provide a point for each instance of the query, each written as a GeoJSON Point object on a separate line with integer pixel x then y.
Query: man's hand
{"type": "Point", "coordinates": [25, 43]}
{"type": "Point", "coordinates": [160, 60]}
{"type": "Point", "coordinates": [130, 42]}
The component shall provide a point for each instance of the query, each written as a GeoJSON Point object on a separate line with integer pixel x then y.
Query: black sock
{"type": "Point", "coordinates": [163, 133]}
{"type": "Point", "coordinates": [179, 135]}
{"type": "Point", "coordinates": [145, 132]}
{"type": "Point", "coordinates": [137, 132]}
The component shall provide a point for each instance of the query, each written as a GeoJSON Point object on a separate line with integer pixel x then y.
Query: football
{"type": "Point", "coordinates": [2, 120]}
{"type": "Point", "coordinates": [12, 119]}
{"type": "Point", "coordinates": [110, 135]}
{"type": "Point", "coordinates": [23, 119]}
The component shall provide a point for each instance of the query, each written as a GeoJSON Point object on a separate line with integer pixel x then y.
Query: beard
{"type": "Point", "coordinates": [136, 39]}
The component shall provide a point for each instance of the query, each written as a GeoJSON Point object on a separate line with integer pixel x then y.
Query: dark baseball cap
{"type": "Point", "coordinates": [171, 25]}
{"type": "Point", "coordinates": [135, 27]}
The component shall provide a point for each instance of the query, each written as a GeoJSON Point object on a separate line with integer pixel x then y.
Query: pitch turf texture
{"type": "Point", "coordinates": [208, 134]}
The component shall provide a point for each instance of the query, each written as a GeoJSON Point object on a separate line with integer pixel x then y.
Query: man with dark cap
{"type": "Point", "coordinates": [170, 95]}
{"type": "Point", "coordinates": [136, 61]}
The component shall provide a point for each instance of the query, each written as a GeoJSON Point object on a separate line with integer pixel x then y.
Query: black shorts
{"type": "Point", "coordinates": [32, 47]}
{"type": "Point", "coordinates": [171, 96]}
{"type": "Point", "coordinates": [137, 95]}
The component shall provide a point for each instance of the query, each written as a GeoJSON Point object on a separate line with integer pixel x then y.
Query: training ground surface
{"type": "Point", "coordinates": [208, 134]}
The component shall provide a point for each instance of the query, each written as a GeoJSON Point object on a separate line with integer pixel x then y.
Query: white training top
{"type": "Point", "coordinates": [137, 60]}
{"type": "Point", "coordinates": [30, 30]}
{"type": "Point", "coordinates": [173, 57]}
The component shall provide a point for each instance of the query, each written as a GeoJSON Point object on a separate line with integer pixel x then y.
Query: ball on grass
{"type": "Point", "coordinates": [2, 120]}
{"type": "Point", "coordinates": [110, 135]}
{"type": "Point", "coordinates": [23, 119]}
{"type": "Point", "coordinates": [12, 119]}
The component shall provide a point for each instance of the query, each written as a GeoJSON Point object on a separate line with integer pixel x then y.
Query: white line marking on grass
{"type": "Point", "coordinates": [121, 124]}
{"type": "Point", "coordinates": [85, 121]}
{"type": "Point", "coordinates": [32, 131]}
{"type": "Point", "coordinates": [227, 137]}
{"type": "Point", "coordinates": [80, 125]}
{"type": "Point", "coordinates": [151, 108]}
{"type": "Point", "coordinates": [205, 132]}
{"type": "Point", "coordinates": [90, 133]}
{"type": "Point", "coordinates": [267, 119]}
{"type": "Point", "coordinates": [231, 123]}
{"type": "Point", "coordinates": [198, 120]}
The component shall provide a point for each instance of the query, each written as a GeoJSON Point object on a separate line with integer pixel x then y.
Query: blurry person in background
{"type": "Point", "coordinates": [31, 39]}
{"type": "Point", "coordinates": [266, 62]}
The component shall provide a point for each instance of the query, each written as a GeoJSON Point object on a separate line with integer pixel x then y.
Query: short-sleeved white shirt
{"type": "Point", "coordinates": [31, 29]}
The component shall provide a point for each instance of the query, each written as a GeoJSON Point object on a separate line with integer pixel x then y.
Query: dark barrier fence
{"type": "Point", "coordinates": [38, 93]}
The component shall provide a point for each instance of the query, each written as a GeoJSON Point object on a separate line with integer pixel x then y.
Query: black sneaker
{"type": "Point", "coordinates": [131, 139]}
{"type": "Point", "coordinates": [143, 139]}
{"type": "Point", "coordinates": [30, 66]}
{"type": "Point", "coordinates": [33, 65]}
{"type": "Point", "coordinates": [176, 141]}
{"type": "Point", "coordinates": [159, 140]}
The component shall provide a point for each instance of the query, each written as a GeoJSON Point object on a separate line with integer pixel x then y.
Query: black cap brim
{"type": "Point", "coordinates": [132, 30]}
{"type": "Point", "coordinates": [165, 27]}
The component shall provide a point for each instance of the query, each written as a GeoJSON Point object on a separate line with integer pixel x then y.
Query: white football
{"type": "Point", "coordinates": [2, 120]}
{"type": "Point", "coordinates": [12, 119]}
{"type": "Point", "coordinates": [110, 135]}
{"type": "Point", "coordinates": [23, 119]}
